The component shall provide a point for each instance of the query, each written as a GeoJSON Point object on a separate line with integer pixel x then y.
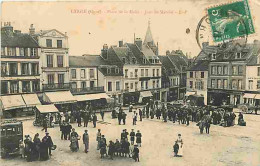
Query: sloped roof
{"type": "Point", "coordinates": [255, 53]}
{"type": "Point", "coordinates": [84, 61]}
{"type": "Point", "coordinates": [148, 36]}
{"type": "Point", "coordinates": [179, 61]}
{"type": "Point", "coordinates": [18, 40]}
{"type": "Point", "coordinates": [166, 62]}
{"type": "Point", "coordinates": [136, 52]}
{"type": "Point", "coordinates": [201, 65]}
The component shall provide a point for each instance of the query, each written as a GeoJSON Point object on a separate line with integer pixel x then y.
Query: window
{"type": "Point", "coordinates": [191, 84]}
{"type": "Point", "coordinates": [13, 51]}
{"type": "Point", "coordinates": [3, 69]}
{"type": "Point", "coordinates": [34, 52]}
{"type": "Point", "coordinates": [50, 79]}
{"type": "Point", "coordinates": [158, 72]}
{"type": "Point", "coordinates": [258, 84]}
{"type": "Point", "coordinates": [126, 73]}
{"type": "Point", "coordinates": [126, 86]}
{"type": "Point", "coordinates": [191, 74]}
{"type": "Point", "coordinates": [225, 83]}
{"type": "Point", "coordinates": [136, 85]}
{"type": "Point", "coordinates": [21, 50]}
{"type": "Point", "coordinates": [25, 51]}
{"type": "Point", "coordinates": [49, 60]}
{"type": "Point", "coordinates": [219, 70]}
{"type": "Point", "coordinates": [142, 72]}
{"type": "Point", "coordinates": [234, 84]}
{"type": "Point", "coordinates": [4, 87]}
{"type": "Point", "coordinates": [91, 73]}
{"type": "Point", "coordinates": [74, 85]}
{"type": "Point", "coordinates": [239, 84]}
{"type": "Point", "coordinates": [213, 56]}
{"type": "Point", "coordinates": [213, 70]}
{"type": "Point", "coordinates": [134, 60]}
{"type": "Point", "coordinates": [82, 73]}
{"type": "Point", "coordinates": [123, 59]}
{"type": "Point", "coordinates": [146, 72]}
{"type": "Point", "coordinates": [60, 78]}
{"type": "Point", "coordinates": [158, 83]}
{"type": "Point", "coordinates": [258, 71]}
{"type": "Point", "coordinates": [59, 43]}
{"type": "Point", "coordinates": [2, 51]}
{"type": "Point", "coordinates": [234, 70]}
{"type": "Point", "coordinates": [13, 69]}
{"type": "Point", "coordinates": [131, 74]}
{"type": "Point", "coordinates": [73, 73]}
{"type": "Point", "coordinates": [240, 70]}
{"type": "Point", "coordinates": [153, 84]}
{"type": "Point", "coordinates": [92, 84]}
{"type": "Point", "coordinates": [213, 83]}
{"type": "Point", "coordinates": [219, 84]}
{"type": "Point", "coordinates": [195, 74]}
{"type": "Point", "coordinates": [136, 72]}
{"type": "Point", "coordinates": [36, 86]}
{"type": "Point", "coordinates": [238, 55]}
{"type": "Point", "coordinates": [48, 43]}
{"type": "Point", "coordinates": [142, 85]}
{"type": "Point", "coordinates": [14, 87]}
{"type": "Point", "coordinates": [131, 85]}
{"type": "Point", "coordinates": [202, 74]}
{"type": "Point", "coordinates": [109, 86]}
{"type": "Point", "coordinates": [153, 72]}
{"type": "Point", "coordinates": [250, 84]}
{"type": "Point", "coordinates": [225, 68]}
{"type": "Point", "coordinates": [83, 85]}
{"type": "Point", "coordinates": [60, 61]}
{"type": "Point", "coordinates": [108, 70]}
{"type": "Point", "coordinates": [146, 84]}
{"type": "Point", "coordinates": [117, 85]}
{"type": "Point", "coordinates": [25, 69]}
{"type": "Point", "coordinates": [144, 61]}
{"type": "Point", "coordinates": [117, 70]}
{"type": "Point", "coordinates": [26, 86]}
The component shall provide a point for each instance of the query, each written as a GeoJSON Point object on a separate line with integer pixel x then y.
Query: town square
{"type": "Point", "coordinates": [130, 83]}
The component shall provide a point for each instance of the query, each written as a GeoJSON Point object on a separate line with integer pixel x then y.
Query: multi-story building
{"type": "Point", "coordinates": [20, 70]}
{"type": "Point", "coordinates": [197, 79]}
{"type": "Point", "coordinates": [227, 73]}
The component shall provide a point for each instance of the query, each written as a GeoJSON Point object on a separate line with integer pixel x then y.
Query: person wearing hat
{"type": "Point", "coordinates": [132, 136]}
{"type": "Point", "coordinates": [180, 143]}
{"type": "Point", "coordinates": [136, 153]}
{"type": "Point", "coordinates": [94, 120]}
{"type": "Point", "coordinates": [98, 139]}
{"type": "Point", "coordinates": [86, 140]}
{"type": "Point", "coordinates": [49, 142]}
{"type": "Point", "coordinates": [111, 149]}
{"type": "Point", "coordinates": [138, 138]}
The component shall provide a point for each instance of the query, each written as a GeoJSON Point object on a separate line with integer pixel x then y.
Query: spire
{"type": "Point", "coordinates": [148, 37]}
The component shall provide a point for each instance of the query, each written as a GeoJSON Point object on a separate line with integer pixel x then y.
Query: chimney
{"type": "Point", "coordinates": [139, 43]}
{"type": "Point", "coordinates": [7, 28]}
{"type": "Point", "coordinates": [120, 43]}
{"type": "Point", "coordinates": [31, 30]}
{"type": "Point", "coordinates": [104, 51]}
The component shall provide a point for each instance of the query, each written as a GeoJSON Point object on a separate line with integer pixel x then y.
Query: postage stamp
{"type": "Point", "coordinates": [230, 21]}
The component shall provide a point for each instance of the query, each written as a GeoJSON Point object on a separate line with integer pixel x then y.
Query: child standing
{"type": "Point", "coordinates": [176, 149]}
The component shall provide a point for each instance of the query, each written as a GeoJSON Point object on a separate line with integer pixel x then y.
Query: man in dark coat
{"type": "Point", "coordinates": [62, 129]}
{"type": "Point", "coordinates": [124, 117]}
{"type": "Point", "coordinates": [140, 114]}
{"type": "Point", "coordinates": [94, 120]}
{"type": "Point", "coordinates": [79, 119]}
{"type": "Point", "coordinates": [86, 119]}
{"type": "Point", "coordinates": [132, 136]}
{"type": "Point", "coordinates": [49, 142]}
{"type": "Point", "coordinates": [136, 153]}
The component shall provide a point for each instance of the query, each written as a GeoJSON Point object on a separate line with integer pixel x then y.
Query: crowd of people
{"type": "Point", "coordinates": [122, 148]}
{"type": "Point", "coordinates": [36, 149]}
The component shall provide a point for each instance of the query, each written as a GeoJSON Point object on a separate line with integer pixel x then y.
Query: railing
{"type": "Point", "coordinates": [86, 90]}
{"type": "Point", "coordinates": [57, 86]}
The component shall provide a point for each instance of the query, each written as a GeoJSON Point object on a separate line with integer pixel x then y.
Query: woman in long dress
{"type": "Point", "coordinates": [180, 143]}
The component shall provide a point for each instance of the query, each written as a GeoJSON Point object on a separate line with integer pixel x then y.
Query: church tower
{"type": "Point", "coordinates": [149, 39]}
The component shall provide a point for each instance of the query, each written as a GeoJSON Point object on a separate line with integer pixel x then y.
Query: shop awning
{"type": "Point", "coordinates": [190, 93]}
{"type": "Point", "coordinates": [12, 102]}
{"type": "Point", "coordinates": [31, 100]}
{"type": "Point", "coordinates": [249, 95]}
{"type": "Point", "coordinates": [59, 97]}
{"type": "Point", "coordinates": [47, 108]}
{"type": "Point", "coordinates": [257, 96]}
{"type": "Point", "coordinates": [146, 94]}
{"type": "Point", "coordinates": [89, 97]}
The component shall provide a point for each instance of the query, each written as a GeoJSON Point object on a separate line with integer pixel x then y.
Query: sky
{"type": "Point", "coordinates": [89, 25]}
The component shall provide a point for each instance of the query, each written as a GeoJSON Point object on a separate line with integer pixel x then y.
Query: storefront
{"type": "Point", "coordinates": [12, 105]}
{"type": "Point", "coordinates": [225, 97]}
{"type": "Point", "coordinates": [172, 94]}
{"type": "Point", "coordinates": [145, 97]}
{"type": "Point", "coordinates": [130, 98]}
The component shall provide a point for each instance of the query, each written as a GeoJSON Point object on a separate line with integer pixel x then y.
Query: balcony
{"type": "Point", "coordinates": [57, 86]}
{"type": "Point", "coordinates": [87, 90]}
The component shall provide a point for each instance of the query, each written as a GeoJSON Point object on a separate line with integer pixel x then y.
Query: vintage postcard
{"type": "Point", "coordinates": [147, 83]}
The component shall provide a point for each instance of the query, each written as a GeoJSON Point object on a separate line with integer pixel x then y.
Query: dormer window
{"type": "Point", "coordinates": [238, 55]}
{"type": "Point", "coordinates": [134, 60]}
{"type": "Point", "coordinates": [117, 70]}
{"type": "Point", "coordinates": [213, 56]}
{"type": "Point", "coordinates": [108, 70]}
{"type": "Point", "coordinates": [123, 60]}
{"type": "Point", "coordinates": [144, 61]}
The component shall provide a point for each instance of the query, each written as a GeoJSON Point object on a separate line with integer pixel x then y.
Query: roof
{"type": "Point", "coordinates": [148, 36]}
{"type": "Point", "coordinates": [136, 52]}
{"type": "Point", "coordinates": [85, 61]}
{"type": "Point", "coordinates": [201, 65]}
{"type": "Point", "coordinates": [89, 97]}
{"type": "Point", "coordinates": [166, 62]}
{"type": "Point", "coordinates": [17, 40]}
{"type": "Point", "coordinates": [47, 109]}
{"type": "Point", "coordinates": [255, 53]}
{"type": "Point", "coordinates": [12, 102]}
{"type": "Point", "coordinates": [179, 61]}
{"type": "Point", "coordinates": [59, 97]}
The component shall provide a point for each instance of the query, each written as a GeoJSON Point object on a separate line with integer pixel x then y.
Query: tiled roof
{"type": "Point", "coordinates": [179, 61]}
{"type": "Point", "coordinates": [18, 40]}
{"type": "Point", "coordinates": [136, 52]}
{"type": "Point", "coordinates": [255, 53]}
{"type": "Point", "coordinates": [201, 65]}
